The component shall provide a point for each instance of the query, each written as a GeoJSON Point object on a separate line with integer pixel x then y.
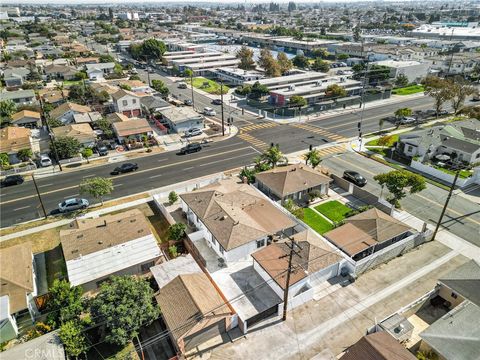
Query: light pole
{"type": "Point", "coordinates": [221, 99]}
{"type": "Point", "coordinates": [50, 134]}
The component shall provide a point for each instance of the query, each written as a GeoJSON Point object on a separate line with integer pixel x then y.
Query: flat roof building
{"type": "Point", "coordinates": [235, 76]}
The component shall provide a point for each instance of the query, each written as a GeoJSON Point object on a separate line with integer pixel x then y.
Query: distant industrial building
{"type": "Point", "coordinates": [235, 76]}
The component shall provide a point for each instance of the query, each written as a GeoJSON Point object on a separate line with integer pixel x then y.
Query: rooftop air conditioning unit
{"type": "Point", "coordinates": [291, 87]}
{"type": "Point", "coordinates": [319, 83]}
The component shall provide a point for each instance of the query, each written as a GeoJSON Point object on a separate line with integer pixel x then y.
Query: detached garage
{"type": "Point", "coordinates": [314, 262]}
{"type": "Point", "coordinates": [193, 310]}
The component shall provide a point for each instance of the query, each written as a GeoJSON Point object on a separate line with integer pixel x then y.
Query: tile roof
{"type": "Point", "coordinates": [236, 213]}
{"type": "Point", "coordinates": [132, 127]}
{"type": "Point", "coordinates": [187, 300]}
{"type": "Point", "coordinates": [274, 258]}
{"type": "Point", "coordinates": [465, 280]}
{"type": "Point", "coordinates": [377, 346]}
{"type": "Point", "coordinates": [365, 230]}
{"type": "Point", "coordinates": [13, 139]}
{"type": "Point", "coordinates": [285, 180]}
{"type": "Point", "coordinates": [91, 235]}
{"type": "Point", "coordinates": [16, 275]}
{"type": "Point", "coordinates": [25, 113]}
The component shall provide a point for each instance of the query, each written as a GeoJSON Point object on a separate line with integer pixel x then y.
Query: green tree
{"type": "Point", "coordinates": [104, 125]}
{"type": "Point", "coordinates": [335, 91]}
{"type": "Point", "coordinates": [160, 86]}
{"type": "Point", "coordinates": [320, 65]}
{"type": "Point", "coordinates": [176, 231]}
{"type": "Point", "coordinates": [401, 80]}
{"type": "Point", "coordinates": [134, 77]}
{"type": "Point", "coordinates": [106, 58]}
{"type": "Point", "coordinates": [245, 55]}
{"type": "Point", "coordinates": [300, 61]}
{"type": "Point", "coordinates": [4, 161]}
{"type": "Point", "coordinates": [258, 90]}
{"type": "Point", "coordinates": [403, 112]}
{"type": "Point", "coordinates": [151, 49]}
{"type": "Point", "coordinates": [284, 62]}
{"type": "Point", "coordinates": [173, 251]}
{"type": "Point", "coordinates": [248, 174]}
{"type": "Point", "coordinates": [87, 153]}
{"type": "Point", "coordinates": [122, 306]}
{"type": "Point", "coordinates": [269, 64]}
{"type": "Point", "coordinates": [125, 87]}
{"type": "Point", "coordinates": [399, 182]}
{"type": "Point", "coordinates": [25, 154]}
{"type": "Point", "coordinates": [460, 90]}
{"type": "Point", "coordinates": [64, 304]}
{"type": "Point", "coordinates": [96, 187]}
{"type": "Point", "coordinates": [357, 36]}
{"type": "Point", "coordinates": [471, 111]}
{"type": "Point", "coordinates": [273, 155]}
{"type": "Point", "coordinates": [172, 197]}
{"type": "Point", "coordinates": [298, 102]}
{"type": "Point", "coordinates": [381, 122]}
{"type": "Point", "coordinates": [72, 336]}
{"type": "Point", "coordinates": [313, 158]}
{"type": "Point", "coordinates": [7, 109]}
{"type": "Point", "coordinates": [67, 147]}
{"type": "Point", "coordinates": [320, 53]}
{"type": "Point", "coordinates": [438, 89]}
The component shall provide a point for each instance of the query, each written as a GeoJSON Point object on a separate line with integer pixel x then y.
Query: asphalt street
{"type": "Point", "coordinates": [462, 217]}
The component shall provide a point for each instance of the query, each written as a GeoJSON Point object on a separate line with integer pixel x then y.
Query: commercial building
{"type": "Point", "coordinates": [448, 31]}
{"type": "Point", "coordinates": [180, 119]}
{"type": "Point", "coordinates": [235, 76]}
{"type": "Point", "coordinates": [415, 71]}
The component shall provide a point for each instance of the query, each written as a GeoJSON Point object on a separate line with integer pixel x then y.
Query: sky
{"type": "Point", "coordinates": [216, 2]}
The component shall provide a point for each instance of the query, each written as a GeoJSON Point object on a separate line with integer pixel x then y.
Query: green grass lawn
{"type": "Point", "coordinates": [409, 90]}
{"type": "Point", "coordinates": [464, 174]}
{"type": "Point", "coordinates": [334, 210]}
{"type": "Point", "coordinates": [72, 82]}
{"type": "Point", "coordinates": [212, 88]}
{"type": "Point", "coordinates": [316, 222]}
{"type": "Point", "coordinates": [393, 140]}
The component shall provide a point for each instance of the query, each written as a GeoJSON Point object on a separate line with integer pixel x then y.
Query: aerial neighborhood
{"type": "Point", "coordinates": [291, 180]}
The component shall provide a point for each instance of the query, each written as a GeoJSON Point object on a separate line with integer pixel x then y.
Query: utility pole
{"type": "Point", "coordinates": [452, 187]}
{"type": "Point", "coordinates": [191, 84]}
{"type": "Point", "coordinates": [291, 246]}
{"type": "Point", "coordinates": [39, 197]}
{"type": "Point", "coordinates": [221, 97]}
{"type": "Point", "coordinates": [50, 135]}
{"type": "Point", "coordinates": [148, 70]}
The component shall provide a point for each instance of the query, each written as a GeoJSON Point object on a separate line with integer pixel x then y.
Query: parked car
{"type": "Point", "coordinates": [190, 148]}
{"type": "Point", "coordinates": [354, 177]}
{"type": "Point", "coordinates": [125, 168]}
{"type": "Point", "coordinates": [188, 102]}
{"type": "Point", "coordinates": [102, 150]}
{"type": "Point", "coordinates": [193, 132]}
{"type": "Point", "coordinates": [217, 102]}
{"type": "Point", "coordinates": [209, 111]}
{"type": "Point", "coordinates": [182, 85]}
{"type": "Point", "coordinates": [12, 180]}
{"type": "Point", "coordinates": [45, 161]}
{"type": "Point", "coordinates": [73, 204]}
{"type": "Point", "coordinates": [407, 120]}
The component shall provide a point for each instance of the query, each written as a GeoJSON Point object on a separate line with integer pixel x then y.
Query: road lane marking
{"type": "Point", "coordinates": [21, 208]}
{"type": "Point", "coordinates": [87, 176]}
{"type": "Point", "coordinates": [117, 185]}
{"type": "Point", "coordinates": [155, 176]}
{"type": "Point", "coordinates": [40, 186]}
{"type": "Point", "coordinates": [71, 196]}
{"type": "Point", "coordinates": [189, 168]}
{"type": "Point", "coordinates": [230, 158]}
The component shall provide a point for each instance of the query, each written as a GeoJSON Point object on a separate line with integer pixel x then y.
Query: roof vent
{"type": "Point", "coordinates": [75, 251]}
{"type": "Point", "coordinates": [80, 236]}
{"type": "Point", "coordinates": [224, 217]}
{"type": "Point", "coordinates": [140, 231]}
{"type": "Point", "coordinates": [133, 220]}
{"type": "Point", "coordinates": [100, 242]}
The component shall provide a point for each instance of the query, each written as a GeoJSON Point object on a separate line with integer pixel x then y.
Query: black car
{"type": "Point", "coordinates": [190, 148]}
{"type": "Point", "coordinates": [354, 177]}
{"type": "Point", "coordinates": [188, 102]}
{"type": "Point", "coordinates": [102, 150]}
{"type": "Point", "coordinates": [217, 102]}
{"type": "Point", "coordinates": [125, 168]}
{"type": "Point", "coordinates": [12, 180]}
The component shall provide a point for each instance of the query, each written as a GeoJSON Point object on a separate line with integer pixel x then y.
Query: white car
{"type": "Point", "coordinates": [193, 132]}
{"type": "Point", "coordinates": [73, 204]}
{"type": "Point", "coordinates": [209, 111]}
{"type": "Point", "coordinates": [45, 161]}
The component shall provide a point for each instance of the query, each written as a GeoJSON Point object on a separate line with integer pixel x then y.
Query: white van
{"type": "Point", "coordinates": [182, 85]}
{"type": "Point", "coordinates": [209, 111]}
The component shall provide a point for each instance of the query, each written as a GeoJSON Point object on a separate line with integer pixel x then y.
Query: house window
{"type": "Point", "coordinates": [453, 295]}
{"type": "Point", "coordinates": [409, 148]}
{"type": "Point", "coordinates": [260, 243]}
{"type": "Point", "coordinates": [147, 266]}
{"type": "Point", "coordinates": [477, 156]}
{"type": "Point", "coordinates": [222, 250]}
{"type": "Point", "coordinates": [134, 101]}
{"type": "Point", "coordinates": [124, 102]}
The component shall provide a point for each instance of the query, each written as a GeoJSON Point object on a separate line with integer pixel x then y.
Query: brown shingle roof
{"type": "Point", "coordinates": [274, 258]}
{"type": "Point", "coordinates": [13, 139]}
{"type": "Point", "coordinates": [132, 127]}
{"type": "Point", "coordinates": [236, 213]}
{"type": "Point", "coordinates": [16, 275]}
{"type": "Point", "coordinates": [377, 346]}
{"type": "Point", "coordinates": [365, 230]}
{"type": "Point", "coordinates": [188, 299]}
{"type": "Point", "coordinates": [62, 109]}
{"type": "Point", "coordinates": [81, 132]}
{"type": "Point", "coordinates": [92, 235]}
{"type": "Point", "coordinates": [121, 93]}
{"type": "Point", "coordinates": [290, 179]}
{"type": "Point", "coordinates": [25, 113]}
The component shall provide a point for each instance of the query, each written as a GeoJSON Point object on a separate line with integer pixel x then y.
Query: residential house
{"type": "Point", "coordinates": [15, 77]}
{"type": "Point", "coordinates": [180, 119]}
{"type": "Point", "coordinates": [19, 97]}
{"type": "Point", "coordinates": [120, 244]}
{"type": "Point", "coordinates": [17, 288]}
{"type": "Point", "coordinates": [456, 335]}
{"type": "Point", "coordinates": [458, 64]}
{"type": "Point", "coordinates": [294, 182]}
{"type": "Point", "coordinates": [415, 71]}
{"type": "Point", "coordinates": [372, 237]}
{"type": "Point", "coordinates": [81, 132]}
{"type": "Point", "coordinates": [98, 71]}
{"type": "Point", "coordinates": [461, 138]}
{"type": "Point", "coordinates": [46, 347]}
{"type": "Point", "coordinates": [193, 310]}
{"type": "Point", "coordinates": [87, 117]}
{"type": "Point", "coordinates": [66, 111]}
{"type": "Point", "coordinates": [133, 128]}
{"type": "Point", "coordinates": [152, 104]}
{"type": "Point", "coordinates": [235, 219]}
{"type": "Point", "coordinates": [54, 97]}
{"type": "Point", "coordinates": [13, 139]}
{"type": "Point", "coordinates": [27, 118]}
{"type": "Point", "coordinates": [60, 72]}
{"type": "Point", "coordinates": [127, 103]}
{"type": "Point", "coordinates": [377, 346]}
{"type": "Point", "coordinates": [315, 260]}
{"type": "Point", "coordinates": [116, 117]}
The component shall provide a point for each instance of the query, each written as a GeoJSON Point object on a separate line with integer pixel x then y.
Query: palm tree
{"type": "Point", "coordinates": [273, 155]}
{"type": "Point", "coordinates": [313, 158]}
{"type": "Point", "coordinates": [189, 73]}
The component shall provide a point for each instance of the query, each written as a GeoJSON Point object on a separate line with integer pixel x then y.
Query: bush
{"type": "Point", "coordinates": [314, 194]}
{"type": "Point", "coordinates": [249, 174]}
{"type": "Point", "coordinates": [176, 231]}
{"type": "Point", "coordinates": [172, 250]}
{"type": "Point", "coordinates": [172, 197]}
